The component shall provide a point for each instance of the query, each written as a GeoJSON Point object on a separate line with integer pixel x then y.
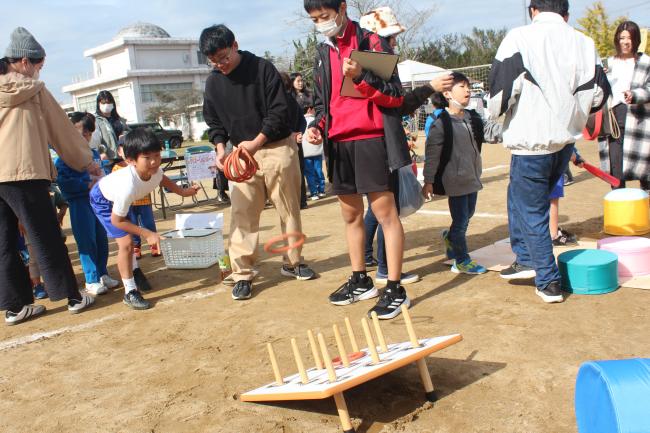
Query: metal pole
{"type": "Point", "coordinates": [525, 12]}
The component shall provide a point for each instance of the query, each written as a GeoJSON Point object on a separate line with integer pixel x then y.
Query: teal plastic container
{"type": "Point", "coordinates": [588, 272]}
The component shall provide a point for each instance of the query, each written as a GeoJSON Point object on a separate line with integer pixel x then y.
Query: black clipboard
{"type": "Point", "coordinates": [381, 64]}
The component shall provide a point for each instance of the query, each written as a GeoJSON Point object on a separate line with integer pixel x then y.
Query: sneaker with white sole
{"type": "Point", "coordinates": [75, 306]}
{"type": "Point", "coordinates": [96, 288]}
{"type": "Point", "coordinates": [300, 272]}
{"type": "Point", "coordinates": [351, 292]}
{"type": "Point", "coordinates": [109, 282]}
{"type": "Point", "coordinates": [552, 293]}
{"type": "Point", "coordinates": [25, 313]}
{"type": "Point", "coordinates": [135, 300]}
{"type": "Point", "coordinates": [390, 302]}
{"type": "Point", "coordinates": [405, 279]}
{"type": "Point", "coordinates": [230, 279]}
{"type": "Point", "coordinates": [468, 266]}
{"type": "Point", "coordinates": [516, 271]}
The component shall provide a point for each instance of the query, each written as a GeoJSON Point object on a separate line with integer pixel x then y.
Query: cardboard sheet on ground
{"type": "Point", "coordinates": [381, 64]}
{"type": "Point", "coordinates": [359, 371]}
{"type": "Point", "coordinates": [499, 256]}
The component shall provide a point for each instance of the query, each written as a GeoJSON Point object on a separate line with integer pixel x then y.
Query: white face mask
{"type": "Point", "coordinates": [106, 108]}
{"type": "Point", "coordinates": [456, 103]}
{"type": "Point", "coordinates": [329, 28]}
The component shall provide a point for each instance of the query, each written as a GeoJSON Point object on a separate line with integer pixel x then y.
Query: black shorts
{"type": "Point", "coordinates": [360, 167]}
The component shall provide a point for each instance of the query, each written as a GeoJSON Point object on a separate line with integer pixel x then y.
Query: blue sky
{"type": "Point", "coordinates": [67, 28]}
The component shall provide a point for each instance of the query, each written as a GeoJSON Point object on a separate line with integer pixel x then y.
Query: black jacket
{"type": "Point", "coordinates": [396, 147]}
{"type": "Point", "coordinates": [249, 100]}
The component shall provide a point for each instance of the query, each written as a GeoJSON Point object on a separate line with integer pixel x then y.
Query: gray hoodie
{"type": "Point", "coordinates": [462, 175]}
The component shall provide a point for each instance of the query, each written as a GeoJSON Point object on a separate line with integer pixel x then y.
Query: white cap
{"type": "Point", "coordinates": [381, 21]}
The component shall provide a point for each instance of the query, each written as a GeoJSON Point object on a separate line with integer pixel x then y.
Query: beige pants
{"type": "Point", "coordinates": [279, 178]}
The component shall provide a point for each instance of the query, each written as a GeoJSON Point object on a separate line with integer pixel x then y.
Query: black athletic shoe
{"type": "Point", "coordinates": [551, 293]}
{"type": "Point", "coordinates": [565, 239]}
{"type": "Point", "coordinates": [390, 302]}
{"type": "Point", "coordinates": [371, 262]}
{"type": "Point", "coordinates": [135, 300]}
{"type": "Point", "coordinates": [222, 197]}
{"type": "Point", "coordinates": [141, 280]}
{"type": "Point", "coordinates": [351, 292]}
{"type": "Point", "coordinates": [516, 271]}
{"type": "Point", "coordinates": [300, 272]}
{"type": "Point", "coordinates": [242, 290]}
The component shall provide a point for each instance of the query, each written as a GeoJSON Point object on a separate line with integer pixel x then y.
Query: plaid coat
{"type": "Point", "coordinates": [636, 142]}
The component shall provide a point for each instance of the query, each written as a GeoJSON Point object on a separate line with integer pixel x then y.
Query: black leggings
{"type": "Point", "coordinates": [29, 202]}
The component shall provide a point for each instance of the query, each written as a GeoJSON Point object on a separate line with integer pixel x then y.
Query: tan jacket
{"type": "Point", "coordinates": [30, 119]}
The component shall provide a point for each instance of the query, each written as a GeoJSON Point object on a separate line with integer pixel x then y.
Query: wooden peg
{"type": "Point", "coordinates": [370, 341]}
{"type": "Point", "coordinates": [314, 350]}
{"type": "Point", "coordinates": [409, 326]}
{"type": "Point", "coordinates": [326, 356]}
{"type": "Point", "coordinates": [380, 335]}
{"type": "Point", "coordinates": [301, 367]}
{"type": "Point", "coordinates": [339, 343]}
{"type": "Point", "coordinates": [353, 339]}
{"type": "Point", "coordinates": [429, 392]}
{"type": "Point", "coordinates": [344, 415]}
{"type": "Point", "coordinates": [274, 364]}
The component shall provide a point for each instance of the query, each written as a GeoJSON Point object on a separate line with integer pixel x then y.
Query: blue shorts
{"type": "Point", "coordinates": [558, 189]}
{"type": "Point", "coordinates": [103, 209]}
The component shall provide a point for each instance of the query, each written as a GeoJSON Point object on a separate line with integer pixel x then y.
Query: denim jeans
{"type": "Point", "coordinates": [314, 174]}
{"type": "Point", "coordinates": [142, 216]}
{"type": "Point", "coordinates": [532, 178]}
{"type": "Point", "coordinates": [372, 226]}
{"type": "Point", "coordinates": [461, 209]}
{"type": "Point", "coordinates": [91, 239]}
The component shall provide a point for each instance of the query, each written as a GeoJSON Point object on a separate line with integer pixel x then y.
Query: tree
{"type": "Point", "coordinates": [597, 26]}
{"type": "Point", "coordinates": [481, 45]}
{"type": "Point", "coordinates": [303, 58]}
{"type": "Point", "coordinates": [170, 106]}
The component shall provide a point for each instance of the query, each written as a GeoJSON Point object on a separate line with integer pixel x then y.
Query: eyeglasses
{"type": "Point", "coordinates": [223, 60]}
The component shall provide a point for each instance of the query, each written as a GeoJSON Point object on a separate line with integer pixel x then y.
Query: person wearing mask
{"type": "Point", "coordinates": [32, 120]}
{"type": "Point", "coordinates": [110, 126]}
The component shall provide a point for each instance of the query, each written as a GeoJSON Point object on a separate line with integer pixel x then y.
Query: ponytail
{"type": "Point", "coordinates": [4, 66]}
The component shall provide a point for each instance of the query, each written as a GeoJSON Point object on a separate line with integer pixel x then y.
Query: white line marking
{"type": "Point", "coordinates": [478, 214]}
{"type": "Point", "coordinates": [21, 341]}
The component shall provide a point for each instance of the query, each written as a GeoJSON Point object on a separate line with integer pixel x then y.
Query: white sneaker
{"type": "Point", "coordinates": [96, 288]}
{"type": "Point", "coordinates": [109, 282]}
{"type": "Point", "coordinates": [25, 313]}
{"type": "Point", "coordinates": [86, 301]}
{"type": "Point", "coordinates": [315, 197]}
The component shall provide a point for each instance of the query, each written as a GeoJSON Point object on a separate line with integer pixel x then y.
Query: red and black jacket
{"type": "Point", "coordinates": [387, 95]}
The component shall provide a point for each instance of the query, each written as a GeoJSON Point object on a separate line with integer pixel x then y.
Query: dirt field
{"type": "Point", "coordinates": [181, 366]}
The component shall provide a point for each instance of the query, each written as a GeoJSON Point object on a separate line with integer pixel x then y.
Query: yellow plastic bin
{"type": "Point", "coordinates": [626, 212]}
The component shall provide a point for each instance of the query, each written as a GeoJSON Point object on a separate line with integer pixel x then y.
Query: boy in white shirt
{"type": "Point", "coordinates": [111, 200]}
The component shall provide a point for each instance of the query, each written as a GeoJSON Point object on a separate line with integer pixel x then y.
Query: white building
{"type": "Point", "coordinates": [140, 60]}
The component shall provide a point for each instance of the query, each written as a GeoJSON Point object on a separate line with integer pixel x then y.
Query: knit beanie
{"type": "Point", "coordinates": [23, 44]}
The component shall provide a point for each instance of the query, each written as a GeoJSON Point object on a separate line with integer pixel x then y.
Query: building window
{"type": "Point", "coordinates": [199, 116]}
{"type": "Point", "coordinates": [149, 90]}
{"type": "Point", "coordinates": [202, 59]}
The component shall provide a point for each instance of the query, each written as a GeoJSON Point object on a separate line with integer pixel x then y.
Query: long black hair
{"type": "Point", "coordinates": [6, 61]}
{"type": "Point", "coordinates": [105, 95]}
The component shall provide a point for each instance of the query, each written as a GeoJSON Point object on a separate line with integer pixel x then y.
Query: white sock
{"type": "Point", "coordinates": [134, 262]}
{"type": "Point", "coordinates": [129, 284]}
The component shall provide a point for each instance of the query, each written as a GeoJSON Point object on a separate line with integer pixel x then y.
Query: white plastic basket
{"type": "Point", "coordinates": [191, 248]}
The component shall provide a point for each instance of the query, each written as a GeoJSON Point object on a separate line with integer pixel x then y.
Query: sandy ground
{"type": "Point", "coordinates": [181, 366]}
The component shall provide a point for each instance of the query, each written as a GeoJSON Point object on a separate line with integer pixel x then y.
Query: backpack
{"type": "Point", "coordinates": [448, 145]}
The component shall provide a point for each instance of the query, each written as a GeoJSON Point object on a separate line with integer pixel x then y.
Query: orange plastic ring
{"type": "Point", "coordinates": [240, 165]}
{"type": "Point", "coordinates": [268, 246]}
{"type": "Point", "coordinates": [351, 357]}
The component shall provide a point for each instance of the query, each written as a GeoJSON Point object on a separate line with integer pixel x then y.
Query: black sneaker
{"type": "Point", "coordinates": [371, 262]}
{"type": "Point", "coordinates": [242, 290]}
{"type": "Point", "coordinates": [551, 293]}
{"type": "Point", "coordinates": [516, 271]}
{"type": "Point", "coordinates": [140, 280]}
{"type": "Point", "coordinates": [390, 302]}
{"type": "Point", "coordinates": [565, 239]}
{"type": "Point", "coordinates": [135, 300]}
{"type": "Point", "coordinates": [223, 197]}
{"type": "Point", "coordinates": [300, 272]}
{"type": "Point", "coordinates": [351, 292]}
